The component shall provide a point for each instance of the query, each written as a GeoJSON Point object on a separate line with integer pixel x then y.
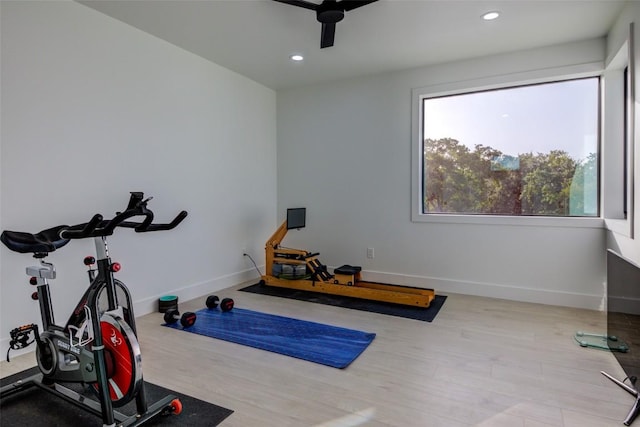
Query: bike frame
{"type": "Point", "coordinates": [103, 282]}
{"type": "Point", "coordinates": [117, 316]}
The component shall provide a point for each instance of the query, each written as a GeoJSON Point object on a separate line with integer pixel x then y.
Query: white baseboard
{"type": "Point", "coordinates": [491, 290]}
{"type": "Point", "coordinates": [196, 290]}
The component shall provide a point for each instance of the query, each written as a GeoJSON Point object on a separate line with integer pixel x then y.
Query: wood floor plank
{"type": "Point", "coordinates": [481, 362]}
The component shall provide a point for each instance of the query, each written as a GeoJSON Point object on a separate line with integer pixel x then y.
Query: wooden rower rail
{"type": "Point", "coordinates": [321, 281]}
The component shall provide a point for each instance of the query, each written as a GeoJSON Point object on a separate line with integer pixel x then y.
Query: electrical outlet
{"type": "Point", "coordinates": [244, 251]}
{"type": "Point", "coordinates": [370, 253]}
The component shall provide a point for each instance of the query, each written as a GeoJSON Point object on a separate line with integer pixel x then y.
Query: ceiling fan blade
{"type": "Point", "coordinates": [348, 5]}
{"type": "Point", "coordinates": [300, 3]}
{"type": "Point", "coordinates": [328, 34]}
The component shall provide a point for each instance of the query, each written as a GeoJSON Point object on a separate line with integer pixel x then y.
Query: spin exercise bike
{"type": "Point", "coordinates": [98, 346]}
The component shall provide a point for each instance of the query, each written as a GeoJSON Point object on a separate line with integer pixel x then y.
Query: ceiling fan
{"type": "Point", "coordinates": [328, 13]}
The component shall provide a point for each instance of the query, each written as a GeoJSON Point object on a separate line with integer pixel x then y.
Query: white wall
{"type": "Point", "coordinates": [93, 109]}
{"type": "Point", "coordinates": [344, 152]}
{"type": "Point", "coordinates": [620, 242]}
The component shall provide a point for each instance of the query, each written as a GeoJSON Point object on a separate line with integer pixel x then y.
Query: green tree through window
{"type": "Point", "coordinates": [526, 180]}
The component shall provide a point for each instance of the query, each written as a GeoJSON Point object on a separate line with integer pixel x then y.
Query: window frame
{"type": "Point", "coordinates": [619, 114]}
{"type": "Point", "coordinates": [477, 85]}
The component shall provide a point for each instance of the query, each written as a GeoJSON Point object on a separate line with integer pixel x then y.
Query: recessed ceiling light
{"type": "Point", "coordinates": [296, 57]}
{"type": "Point", "coordinates": [490, 16]}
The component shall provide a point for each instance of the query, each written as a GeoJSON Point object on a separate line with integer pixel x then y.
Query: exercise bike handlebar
{"type": "Point", "coordinates": [141, 228]}
{"type": "Point", "coordinates": [97, 226]}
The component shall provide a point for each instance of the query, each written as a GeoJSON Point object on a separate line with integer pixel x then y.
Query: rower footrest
{"type": "Point", "coordinates": [318, 270]}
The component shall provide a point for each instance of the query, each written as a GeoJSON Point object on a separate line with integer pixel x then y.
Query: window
{"type": "Point", "coordinates": [518, 151]}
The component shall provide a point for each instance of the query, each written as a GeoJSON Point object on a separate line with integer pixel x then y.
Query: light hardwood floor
{"type": "Point", "coordinates": [481, 362]}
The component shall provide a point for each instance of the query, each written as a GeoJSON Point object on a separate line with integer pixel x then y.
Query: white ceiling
{"type": "Point", "coordinates": [256, 37]}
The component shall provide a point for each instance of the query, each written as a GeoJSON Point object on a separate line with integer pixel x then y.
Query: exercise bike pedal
{"type": "Point", "coordinates": [20, 337]}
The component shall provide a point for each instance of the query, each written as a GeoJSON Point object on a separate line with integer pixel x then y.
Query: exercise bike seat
{"type": "Point", "coordinates": [43, 242]}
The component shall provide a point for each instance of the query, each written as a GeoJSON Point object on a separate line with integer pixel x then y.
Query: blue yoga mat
{"type": "Point", "coordinates": [316, 342]}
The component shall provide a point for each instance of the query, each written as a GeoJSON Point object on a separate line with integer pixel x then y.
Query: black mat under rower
{"type": "Point", "coordinates": [417, 313]}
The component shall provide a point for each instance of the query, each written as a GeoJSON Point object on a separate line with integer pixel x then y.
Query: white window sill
{"type": "Point", "coordinates": [619, 226]}
{"type": "Point", "coordinates": [519, 221]}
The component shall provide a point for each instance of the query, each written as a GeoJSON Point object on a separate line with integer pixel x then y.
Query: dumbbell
{"type": "Point", "coordinates": [186, 320]}
{"type": "Point", "coordinates": [225, 305]}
